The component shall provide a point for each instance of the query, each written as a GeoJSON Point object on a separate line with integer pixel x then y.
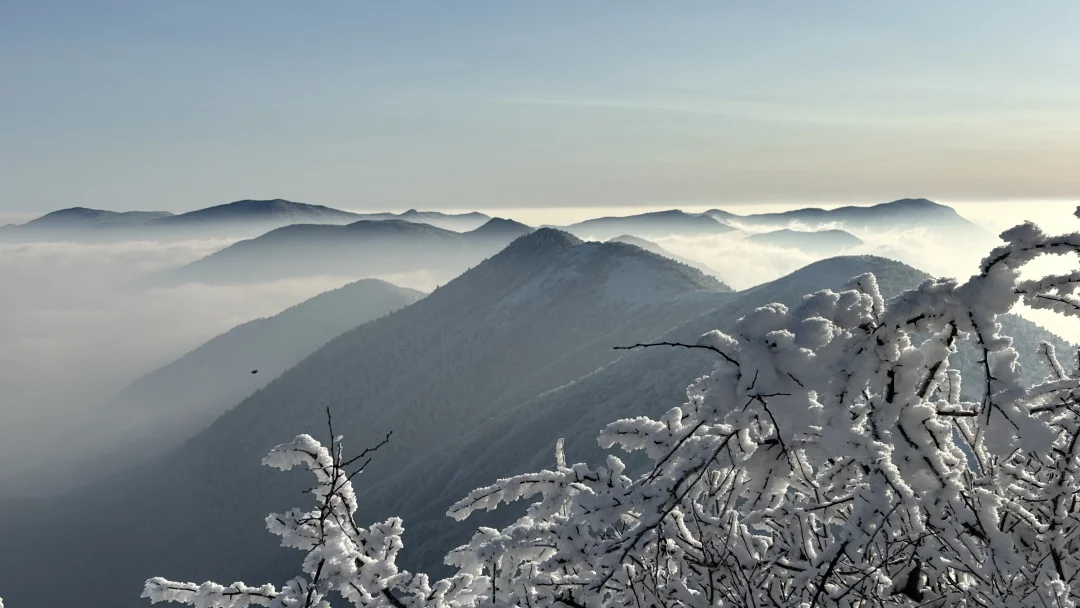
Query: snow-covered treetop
{"type": "Point", "coordinates": [828, 460]}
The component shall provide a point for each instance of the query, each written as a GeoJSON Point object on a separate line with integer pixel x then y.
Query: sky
{"type": "Point", "coordinates": [469, 104]}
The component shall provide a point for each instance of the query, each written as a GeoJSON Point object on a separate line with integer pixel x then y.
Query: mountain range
{"type": "Point", "coordinates": [646, 225]}
{"type": "Point", "coordinates": [239, 218]}
{"type": "Point", "coordinates": [76, 221]}
{"type": "Point", "coordinates": [907, 213]}
{"type": "Point", "coordinates": [251, 218]}
{"type": "Point", "coordinates": [169, 405]}
{"type": "Point", "coordinates": [476, 381]}
{"type": "Point", "coordinates": [361, 249]}
{"type": "Point", "coordinates": [462, 222]}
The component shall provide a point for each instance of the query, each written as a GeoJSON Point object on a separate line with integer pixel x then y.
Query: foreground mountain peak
{"type": "Point", "coordinates": [543, 239]}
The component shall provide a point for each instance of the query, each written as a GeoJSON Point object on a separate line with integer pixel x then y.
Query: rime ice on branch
{"type": "Point", "coordinates": [831, 458]}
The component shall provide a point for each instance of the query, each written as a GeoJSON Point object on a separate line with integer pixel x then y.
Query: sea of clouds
{"type": "Point", "coordinates": [76, 329]}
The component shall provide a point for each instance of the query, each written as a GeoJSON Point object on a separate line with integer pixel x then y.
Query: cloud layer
{"type": "Point", "coordinates": [76, 331]}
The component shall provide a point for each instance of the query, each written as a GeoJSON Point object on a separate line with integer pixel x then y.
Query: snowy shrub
{"type": "Point", "coordinates": [828, 460]}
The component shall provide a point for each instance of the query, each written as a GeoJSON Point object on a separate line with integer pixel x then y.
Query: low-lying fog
{"type": "Point", "coordinates": [75, 331]}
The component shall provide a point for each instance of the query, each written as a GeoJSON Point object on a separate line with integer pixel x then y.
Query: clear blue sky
{"type": "Point", "coordinates": [179, 104]}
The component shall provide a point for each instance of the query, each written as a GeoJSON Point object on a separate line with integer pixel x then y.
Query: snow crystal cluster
{"type": "Point", "coordinates": [828, 460]}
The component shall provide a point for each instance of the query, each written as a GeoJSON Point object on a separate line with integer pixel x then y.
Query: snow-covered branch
{"type": "Point", "coordinates": [831, 458]}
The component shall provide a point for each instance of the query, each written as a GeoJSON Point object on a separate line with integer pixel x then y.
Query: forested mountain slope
{"type": "Point", "coordinates": [643, 382]}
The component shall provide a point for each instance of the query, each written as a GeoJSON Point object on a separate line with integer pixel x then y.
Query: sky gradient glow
{"type": "Point", "coordinates": [389, 105]}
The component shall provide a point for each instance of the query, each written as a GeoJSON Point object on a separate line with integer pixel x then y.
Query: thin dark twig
{"type": "Point", "coordinates": [674, 344]}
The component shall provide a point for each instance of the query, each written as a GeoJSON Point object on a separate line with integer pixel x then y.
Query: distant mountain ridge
{"type": "Point", "coordinates": [364, 248]}
{"type": "Point", "coordinates": [76, 218]}
{"type": "Point", "coordinates": [247, 217]}
{"type": "Point", "coordinates": [898, 214]}
{"type": "Point", "coordinates": [645, 225]}
{"type": "Point", "coordinates": [462, 222]}
{"type": "Point", "coordinates": [83, 215]}
{"type": "Point", "coordinates": [272, 211]}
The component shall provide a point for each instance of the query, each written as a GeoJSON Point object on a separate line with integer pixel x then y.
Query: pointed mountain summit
{"type": "Point", "coordinates": [541, 241]}
{"type": "Point", "coordinates": [498, 227]}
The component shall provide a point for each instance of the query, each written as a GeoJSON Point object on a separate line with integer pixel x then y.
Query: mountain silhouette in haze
{"type": "Point", "coordinates": [818, 242]}
{"type": "Point", "coordinates": [462, 222]}
{"type": "Point", "coordinates": [67, 223]}
{"type": "Point", "coordinates": [280, 212]}
{"type": "Point", "coordinates": [167, 406]}
{"type": "Point", "coordinates": [273, 211]}
{"type": "Point", "coordinates": [903, 214]}
{"type": "Point", "coordinates": [78, 217]}
{"type": "Point", "coordinates": [498, 229]}
{"type": "Point", "coordinates": [245, 218]}
{"type": "Point", "coordinates": [656, 224]}
{"type": "Point", "coordinates": [363, 248]}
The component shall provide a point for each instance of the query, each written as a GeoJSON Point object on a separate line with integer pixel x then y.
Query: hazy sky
{"type": "Point", "coordinates": [387, 105]}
